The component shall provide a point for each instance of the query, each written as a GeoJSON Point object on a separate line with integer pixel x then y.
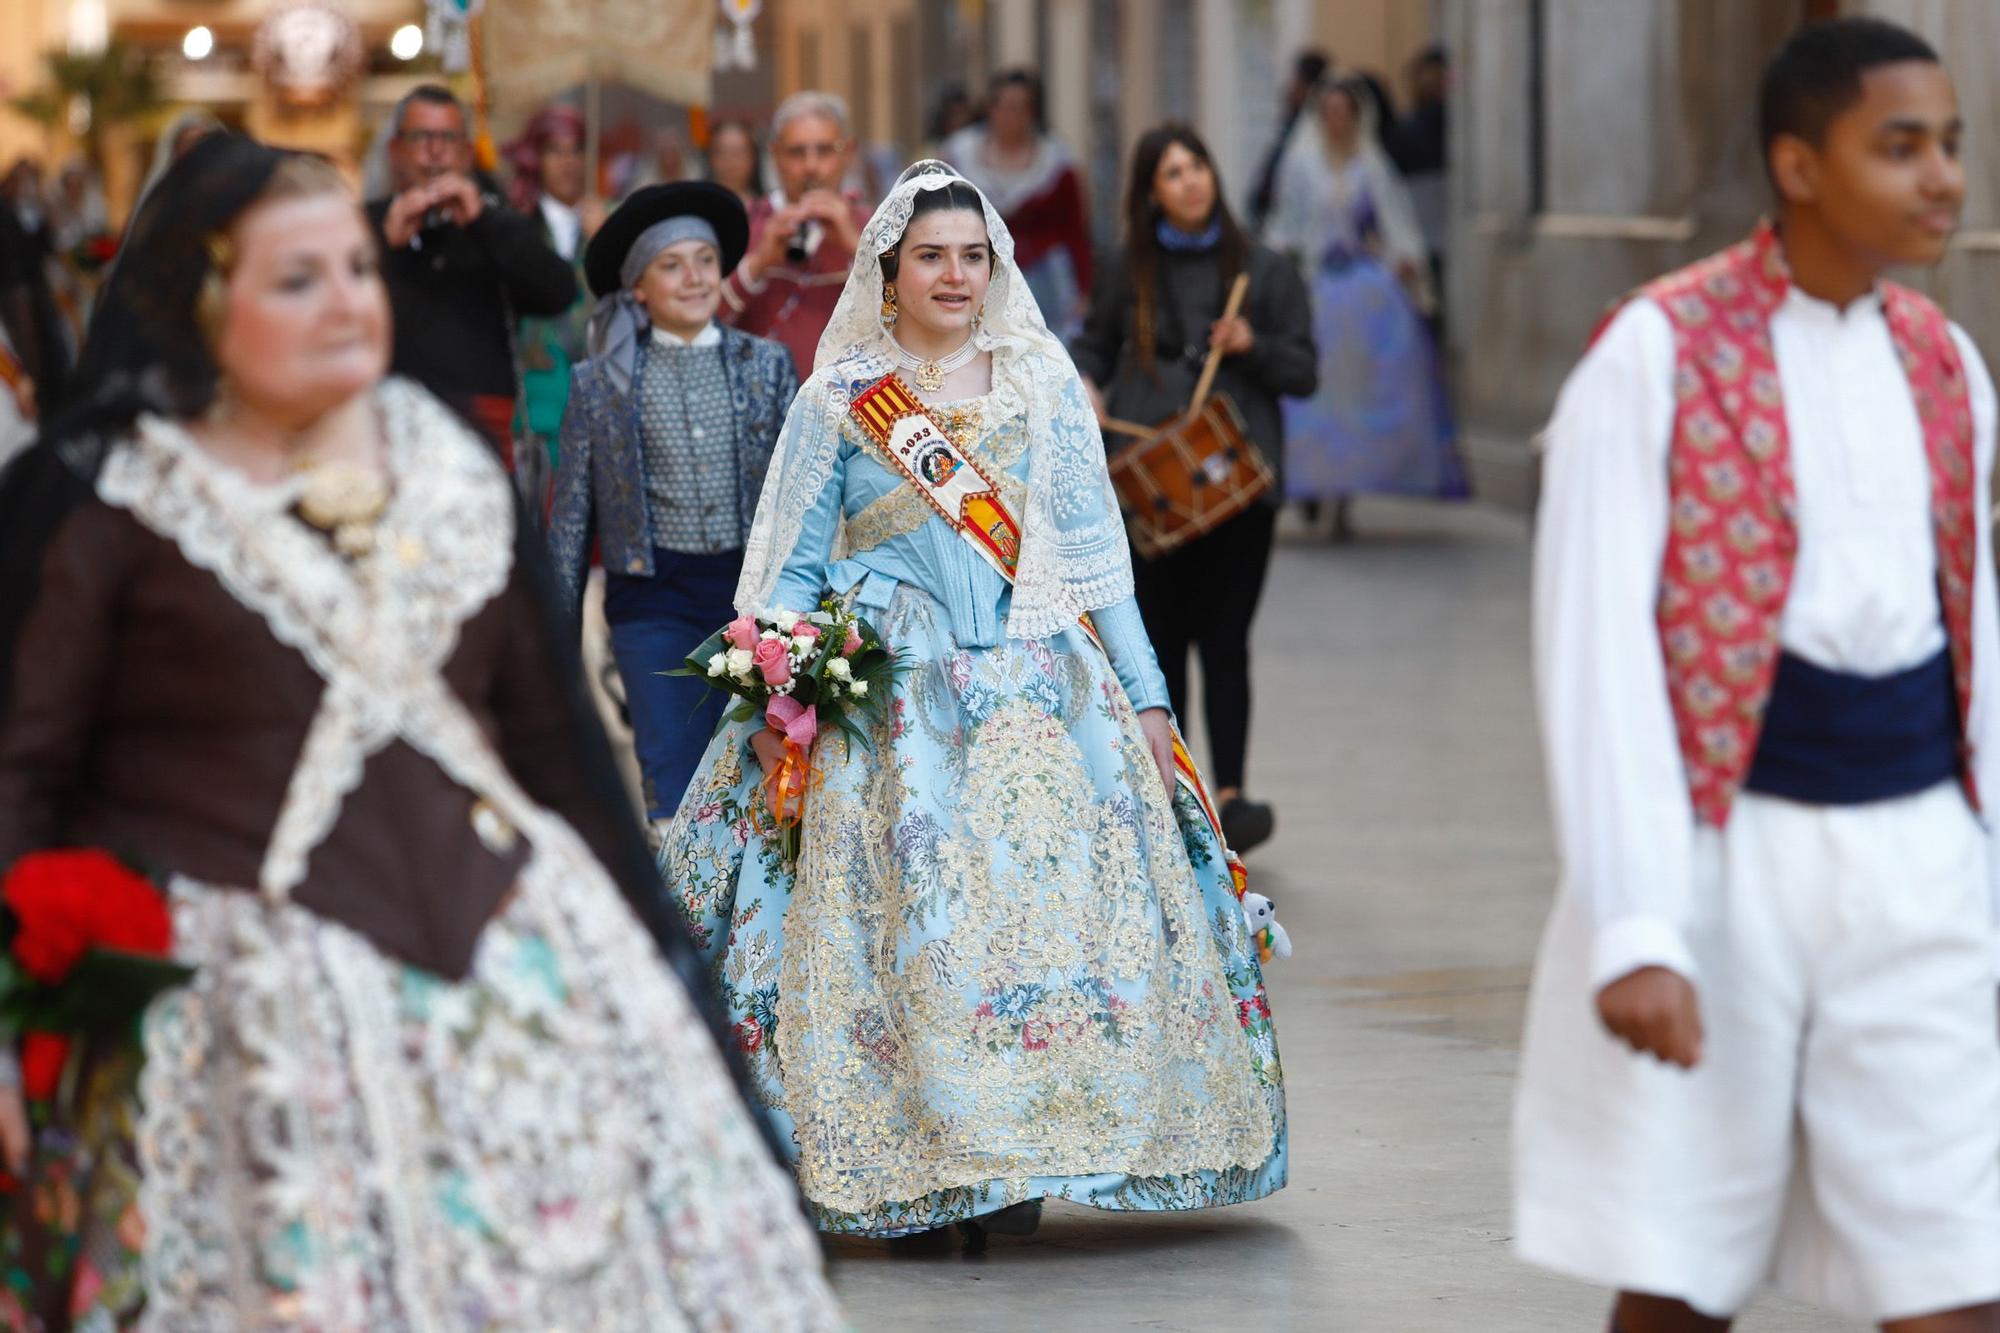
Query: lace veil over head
{"type": "Point", "coordinates": [1073, 553]}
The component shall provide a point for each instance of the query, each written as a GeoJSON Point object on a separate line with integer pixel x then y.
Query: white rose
{"type": "Point", "coordinates": [858, 688]}
{"type": "Point", "coordinates": [718, 664]}
{"type": "Point", "coordinates": [739, 661]}
{"type": "Point", "coordinates": [839, 669]}
{"type": "Point", "coordinates": [784, 620]}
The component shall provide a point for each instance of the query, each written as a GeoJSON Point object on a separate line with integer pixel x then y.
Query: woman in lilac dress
{"type": "Point", "coordinates": [1380, 423]}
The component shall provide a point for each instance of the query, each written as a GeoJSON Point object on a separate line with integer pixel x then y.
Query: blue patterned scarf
{"type": "Point", "coordinates": [1175, 241]}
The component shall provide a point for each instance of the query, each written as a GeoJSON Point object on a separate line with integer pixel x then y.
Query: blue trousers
{"type": "Point", "coordinates": [655, 623]}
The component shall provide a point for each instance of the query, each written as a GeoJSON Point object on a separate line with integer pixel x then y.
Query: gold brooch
{"type": "Point", "coordinates": [346, 501]}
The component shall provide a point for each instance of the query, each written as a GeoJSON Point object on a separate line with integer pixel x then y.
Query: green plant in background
{"type": "Point", "coordinates": [90, 93]}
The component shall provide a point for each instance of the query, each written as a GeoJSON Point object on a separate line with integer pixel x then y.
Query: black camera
{"type": "Point", "coordinates": [795, 251]}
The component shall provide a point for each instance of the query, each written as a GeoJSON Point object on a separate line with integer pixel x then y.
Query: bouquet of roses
{"type": "Point", "coordinates": [84, 941]}
{"type": "Point", "coordinates": [802, 674]}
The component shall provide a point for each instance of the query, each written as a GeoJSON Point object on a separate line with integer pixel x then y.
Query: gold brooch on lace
{"type": "Point", "coordinates": [346, 501]}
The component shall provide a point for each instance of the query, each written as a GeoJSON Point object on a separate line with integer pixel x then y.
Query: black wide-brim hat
{"type": "Point", "coordinates": [717, 204]}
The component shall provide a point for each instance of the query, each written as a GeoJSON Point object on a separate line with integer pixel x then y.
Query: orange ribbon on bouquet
{"type": "Point", "coordinates": [798, 725]}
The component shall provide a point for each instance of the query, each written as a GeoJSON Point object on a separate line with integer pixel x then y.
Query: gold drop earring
{"type": "Point", "coordinates": [889, 304]}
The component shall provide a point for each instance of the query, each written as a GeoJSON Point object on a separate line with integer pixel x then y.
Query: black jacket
{"type": "Point", "coordinates": [1284, 361]}
{"type": "Point", "coordinates": [457, 292]}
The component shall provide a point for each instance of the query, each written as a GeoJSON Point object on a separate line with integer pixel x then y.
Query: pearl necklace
{"type": "Point", "coordinates": [931, 373]}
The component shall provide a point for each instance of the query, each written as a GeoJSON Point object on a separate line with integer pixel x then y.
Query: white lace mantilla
{"type": "Point", "coordinates": [333, 1139]}
{"type": "Point", "coordinates": [1074, 556]}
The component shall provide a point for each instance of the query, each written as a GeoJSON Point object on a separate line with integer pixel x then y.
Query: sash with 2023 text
{"type": "Point", "coordinates": [923, 453]}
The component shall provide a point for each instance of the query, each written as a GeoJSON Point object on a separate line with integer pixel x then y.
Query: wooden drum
{"type": "Point", "coordinates": [1187, 476]}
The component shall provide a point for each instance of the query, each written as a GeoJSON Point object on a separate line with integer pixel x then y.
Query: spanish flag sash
{"type": "Point", "coordinates": [916, 447]}
{"type": "Point", "coordinates": [945, 475]}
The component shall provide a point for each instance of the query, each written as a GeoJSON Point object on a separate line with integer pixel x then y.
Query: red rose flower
{"type": "Point", "coordinates": [749, 1035]}
{"type": "Point", "coordinates": [43, 1055]}
{"type": "Point", "coordinates": [64, 902]}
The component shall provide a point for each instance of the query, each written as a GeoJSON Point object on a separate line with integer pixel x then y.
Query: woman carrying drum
{"type": "Point", "coordinates": [1154, 317]}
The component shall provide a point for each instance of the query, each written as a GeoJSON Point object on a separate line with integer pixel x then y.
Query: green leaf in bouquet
{"type": "Point", "coordinates": [105, 992]}
{"type": "Point", "coordinates": [697, 661]}
{"type": "Point", "coordinates": [16, 986]}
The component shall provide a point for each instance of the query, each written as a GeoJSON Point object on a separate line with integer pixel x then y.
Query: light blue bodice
{"type": "Point", "coordinates": [942, 563]}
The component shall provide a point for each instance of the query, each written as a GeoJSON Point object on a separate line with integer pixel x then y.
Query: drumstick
{"type": "Point", "coordinates": [1214, 362]}
{"type": "Point", "coordinates": [1127, 427]}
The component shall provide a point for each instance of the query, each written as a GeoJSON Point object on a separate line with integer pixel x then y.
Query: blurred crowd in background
{"type": "Point", "coordinates": [1371, 171]}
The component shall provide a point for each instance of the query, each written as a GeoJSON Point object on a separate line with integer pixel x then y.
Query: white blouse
{"type": "Point", "coordinates": [1864, 593]}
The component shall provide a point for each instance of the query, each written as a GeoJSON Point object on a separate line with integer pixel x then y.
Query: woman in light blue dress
{"type": "Point", "coordinates": [1010, 962]}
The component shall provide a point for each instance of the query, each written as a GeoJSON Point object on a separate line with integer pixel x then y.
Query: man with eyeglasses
{"type": "Point", "coordinates": [802, 237]}
{"type": "Point", "coordinates": [461, 267]}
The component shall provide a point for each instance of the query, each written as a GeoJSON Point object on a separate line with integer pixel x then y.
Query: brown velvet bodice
{"type": "Point", "coordinates": [156, 715]}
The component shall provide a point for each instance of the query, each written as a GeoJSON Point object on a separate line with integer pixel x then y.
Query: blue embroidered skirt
{"type": "Point", "coordinates": [1007, 965]}
{"type": "Point", "coordinates": [1380, 423]}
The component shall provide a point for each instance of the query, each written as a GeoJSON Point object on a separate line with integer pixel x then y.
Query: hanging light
{"type": "Point", "coordinates": [198, 43]}
{"type": "Point", "coordinates": [407, 43]}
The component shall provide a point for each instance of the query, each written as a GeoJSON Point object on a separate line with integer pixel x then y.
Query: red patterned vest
{"type": "Point", "coordinates": [1733, 538]}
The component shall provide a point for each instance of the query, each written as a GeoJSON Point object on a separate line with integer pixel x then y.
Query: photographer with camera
{"type": "Point", "coordinates": [802, 237]}
{"type": "Point", "coordinates": [460, 266]}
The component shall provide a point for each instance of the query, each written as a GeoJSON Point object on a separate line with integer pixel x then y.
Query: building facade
{"type": "Point", "coordinates": [1602, 142]}
{"type": "Point", "coordinates": [223, 79]}
{"type": "Point", "coordinates": [1112, 68]}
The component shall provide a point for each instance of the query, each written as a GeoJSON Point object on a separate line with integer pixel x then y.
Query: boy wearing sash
{"type": "Point", "coordinates": [1761, 1038]}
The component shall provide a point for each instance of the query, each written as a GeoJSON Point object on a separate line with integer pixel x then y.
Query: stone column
{"type": "Point", "coordinates": [1068, 74]}
{"type": "Point", "coordinates": [1139, 71]}
{"type": "Point", "coordinates": [1014, 34]}
{"type": "Point", "coordinates": [1218, 99]}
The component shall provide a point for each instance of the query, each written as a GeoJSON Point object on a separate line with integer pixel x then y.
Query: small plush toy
{"type": "Point", "coordinates": [1262, 914]}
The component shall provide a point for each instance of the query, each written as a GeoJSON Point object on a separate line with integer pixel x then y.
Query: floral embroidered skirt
{"type": "Point", "coordinates": [330, 1138]}
{"type": "Point", "coordinates": [1007, 965]}
{"type": "Point", "coordinates": [1380, 423]}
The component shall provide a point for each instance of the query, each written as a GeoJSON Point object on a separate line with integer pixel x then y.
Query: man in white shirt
{"type": "Point", "coordinates": [1766, 654]}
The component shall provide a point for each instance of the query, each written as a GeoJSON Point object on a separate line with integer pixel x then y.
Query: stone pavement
{"type": "Point", "coordinates": [1412, 867]}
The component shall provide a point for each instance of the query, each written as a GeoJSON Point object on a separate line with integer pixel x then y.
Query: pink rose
{"type": "Point", "coordinates": [805, 629]}
{"type": "Point", "coordinates": [853, 644]}
{"type": "Point", "coordinates": [742, 633]}
{"type": "Point", "coordinates": [771, 661]}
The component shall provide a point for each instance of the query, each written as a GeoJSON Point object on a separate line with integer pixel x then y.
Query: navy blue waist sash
{"type": "Point", "coordinates": [1835, 739]}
